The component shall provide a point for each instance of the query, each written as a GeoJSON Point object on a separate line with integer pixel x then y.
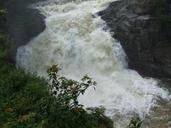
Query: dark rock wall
{"type": "Point", "coordinates": [145, 39]}
{"type": "Point", "coordinates": [22, 22]}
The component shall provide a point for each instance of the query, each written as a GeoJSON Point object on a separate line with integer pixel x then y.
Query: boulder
{"type": "Point", "coordinates": [144, 38]}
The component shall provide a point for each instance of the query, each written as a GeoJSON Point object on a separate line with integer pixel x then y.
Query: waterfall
{"type": "Point", "coordinates": [79, 40]}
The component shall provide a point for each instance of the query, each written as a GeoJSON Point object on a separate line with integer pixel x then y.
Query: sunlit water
{"type": "Point", "coordinates": [77, 39]}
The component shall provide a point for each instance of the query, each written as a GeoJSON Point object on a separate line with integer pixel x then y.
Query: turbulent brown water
{"type": "Point", "coordinates": [79, 40]}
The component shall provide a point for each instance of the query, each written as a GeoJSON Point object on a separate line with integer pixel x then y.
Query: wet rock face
{"type": "Point", "coordinates": [23, 22]}
{"type": "Point", "coordinates": [146, 42]}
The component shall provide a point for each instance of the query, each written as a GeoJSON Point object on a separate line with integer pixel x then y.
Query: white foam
{"type": "Point", "coordinates": [77, 41]}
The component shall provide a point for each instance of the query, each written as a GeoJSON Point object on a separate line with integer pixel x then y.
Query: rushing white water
{"type": "Point", "coordinates": [77, 39]}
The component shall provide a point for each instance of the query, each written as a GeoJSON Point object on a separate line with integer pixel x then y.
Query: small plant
{"type": "Point", "coordinates": [135, 122]}
{"type": "Point", "coordinates": [67, 90]}
{"type": "Point", "coordinates": [103, 121]}
{"type": "Point", "coordinates": [3, 12]}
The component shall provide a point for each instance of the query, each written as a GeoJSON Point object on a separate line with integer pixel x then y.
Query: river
{"type": "Point", "coordinates": [79, 41]}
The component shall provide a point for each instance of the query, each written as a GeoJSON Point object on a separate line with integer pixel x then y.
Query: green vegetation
{"type": "Point", "coordinates": [29, 101]}
{"type": "Point", "coordinates": [135, 122]}
{"type": "Point", "coordinates": [67, 90]}
{"type": "Point", "coordinates": [3, 12]}
{"type": "Point", "coordinates": [2, 19]}
{"type": "Point", "coordinates": [26, 100]}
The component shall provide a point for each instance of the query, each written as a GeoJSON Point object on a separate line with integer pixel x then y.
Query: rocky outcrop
{"type": "Point", "coordinates": [23, 22]}
{"type": "Point", "coordinates": [144, 37]}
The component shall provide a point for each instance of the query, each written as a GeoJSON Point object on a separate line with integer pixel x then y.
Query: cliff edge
{"type": "Point", "coordinates": [144, 29]}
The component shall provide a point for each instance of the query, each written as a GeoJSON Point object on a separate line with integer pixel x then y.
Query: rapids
{"type": "Point", "coordinates": [79, 40]}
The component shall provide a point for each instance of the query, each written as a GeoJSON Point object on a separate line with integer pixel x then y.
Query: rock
{"type": "Point", "coordinates": [23, 22]}
{"type": "Point", "coordinates": [146, 42]}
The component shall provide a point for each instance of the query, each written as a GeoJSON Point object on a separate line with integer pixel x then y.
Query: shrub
{"type": "Point", "coordinates": [27, 101]}
{"type": "Point", "coordinates": [3, 13]}
{"type": "Point", "coordinates": [135, 122]}
{"type": "Point", "coordinates": [67, 90]}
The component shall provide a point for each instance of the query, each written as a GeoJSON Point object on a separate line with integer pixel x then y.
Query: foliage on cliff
{"type": "Point", "coordinates": [26, 100]}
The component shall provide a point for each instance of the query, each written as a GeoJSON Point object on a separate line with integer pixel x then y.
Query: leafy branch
{"type": "Point", "coordinates": [66, 90]}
